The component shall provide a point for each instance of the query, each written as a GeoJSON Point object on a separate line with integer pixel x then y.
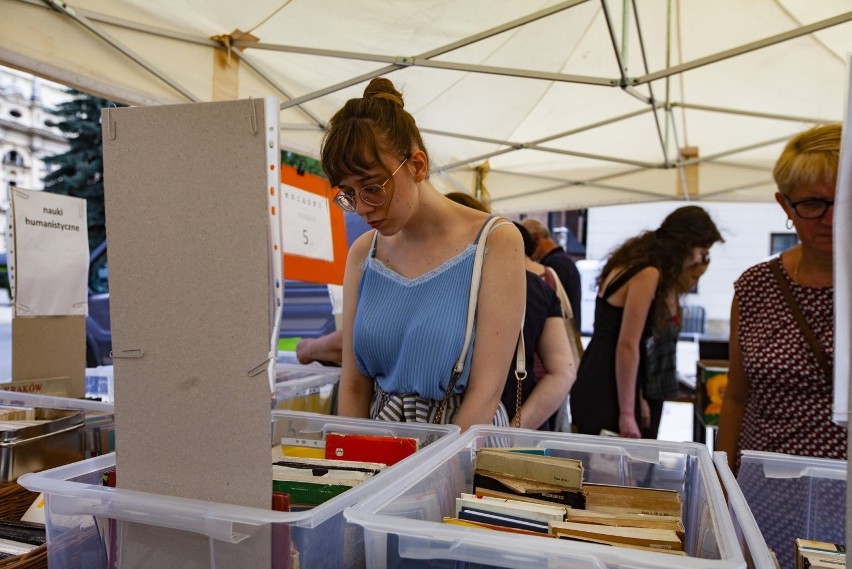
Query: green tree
{"type": "Point", "coordinates": [79, 172]}
{"type": "Point", "coordinates": [304, 163]}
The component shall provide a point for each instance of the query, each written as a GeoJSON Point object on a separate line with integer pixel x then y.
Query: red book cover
{"type": "Point", "coordinates": [369, 448]}
{"type": "Point", "coordinates": [281, 549]}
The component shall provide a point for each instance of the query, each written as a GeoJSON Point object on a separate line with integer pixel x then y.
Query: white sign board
{"type": "Point", "coordinates": [305, 224]}
{"type": "Point", "coordinates": [50, 246]}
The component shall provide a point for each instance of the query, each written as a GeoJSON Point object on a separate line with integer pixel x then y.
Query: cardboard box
{"type": "Point", "coordinates": [711, 381]}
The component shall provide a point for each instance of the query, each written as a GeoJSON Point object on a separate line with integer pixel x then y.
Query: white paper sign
{"type": "Point", "coordinates": [51, 251]}
{"type": "Point", "coordinates": [306, 224]}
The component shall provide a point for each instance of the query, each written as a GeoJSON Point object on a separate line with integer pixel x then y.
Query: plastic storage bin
{"type": "Point", "coordinates": [79, 510]}
{"type": "Point", "coordinates": [784, 497]}
{"type": "Point", "coordinates": [306, 388]}
{"type": "Point", "coordinates": [753, 545]}
{"type": "Point", "coordinates": [403, 529]}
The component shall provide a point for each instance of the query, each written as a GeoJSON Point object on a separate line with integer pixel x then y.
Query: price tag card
{"type": "Point", "coordinates": [306, 224]}
{"type": "Point", "coordinates": [313, 232]}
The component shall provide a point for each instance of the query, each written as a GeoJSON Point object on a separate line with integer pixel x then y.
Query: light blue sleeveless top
{"type": "Point", "coordinates": [409, 333]}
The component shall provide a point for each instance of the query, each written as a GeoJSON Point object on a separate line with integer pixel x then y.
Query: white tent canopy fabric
{"type": "Point", "coordinates": [544, 104]}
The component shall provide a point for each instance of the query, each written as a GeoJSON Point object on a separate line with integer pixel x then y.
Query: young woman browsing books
{"type": "Point", "coordinates": [637, 294]}
{"type": "Point", "coordinates": [407, 282]}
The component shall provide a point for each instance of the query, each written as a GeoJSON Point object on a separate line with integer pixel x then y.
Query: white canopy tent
{"type": "Point", "coordinates": [547, 104]}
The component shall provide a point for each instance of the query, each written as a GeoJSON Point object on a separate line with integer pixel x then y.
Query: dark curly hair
{"type": "Point", "coordinates": [667, 249]}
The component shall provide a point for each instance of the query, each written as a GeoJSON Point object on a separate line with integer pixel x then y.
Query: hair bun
{"type": "Point", "coordinates": [382, 88]}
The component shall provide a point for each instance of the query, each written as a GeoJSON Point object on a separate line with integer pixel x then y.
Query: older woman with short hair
{"type": "Point", "coordinates": [779, 392]}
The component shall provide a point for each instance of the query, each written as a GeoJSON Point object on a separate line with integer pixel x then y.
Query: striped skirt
{"type": "Point", "coordinates": [411, 408]}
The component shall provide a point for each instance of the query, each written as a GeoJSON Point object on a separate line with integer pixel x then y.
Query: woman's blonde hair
{"type": "Point", "coordinates": [809, 158]}
{"type": "Point", "coordinates": [365, 127]}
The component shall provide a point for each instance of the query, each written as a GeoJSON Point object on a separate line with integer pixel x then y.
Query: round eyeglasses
{"type": "Point", "coordinates": [811, 208]}
{"type": "Point", "coordinates": [372, 195]}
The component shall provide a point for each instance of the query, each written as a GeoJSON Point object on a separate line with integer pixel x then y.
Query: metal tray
{"type": "Point", "coordinates": [39, 447]}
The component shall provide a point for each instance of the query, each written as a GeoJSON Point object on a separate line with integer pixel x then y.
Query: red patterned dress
{"type": "Point", "coordinates": [789, 402]}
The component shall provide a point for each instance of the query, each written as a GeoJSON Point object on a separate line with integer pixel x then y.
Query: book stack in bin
{"type": "Point", "coordinates": [90, 525]}
{"type": "Point", "coordinates": [613, 503]}
{"type": "Point", "coordinates": [38, 432]}
{"type": "Point", "coordinates": [786, 508]}
{"type": "Point", "coordinates": [529, 491]}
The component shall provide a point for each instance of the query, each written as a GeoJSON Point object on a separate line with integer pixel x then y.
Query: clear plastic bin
{"type": "Point", "coordinates": [80, 510]}
{"type": "Point", "coordinates": [783, 497]}
{"type": "Point", "coordinates": [403, 529]}
{"type": "Point", "coordinates": [306, 388]}
{"type": "Point", "coordinates": [754, 547]}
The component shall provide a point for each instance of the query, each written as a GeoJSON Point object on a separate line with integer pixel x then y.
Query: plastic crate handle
{"type": "Point", "coordinates": [124, 506]}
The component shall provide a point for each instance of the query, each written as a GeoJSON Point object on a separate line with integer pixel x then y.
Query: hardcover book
{"type": "Point", "coordinates": [562, 472]}
{"type": "Point", "coordinates": [644, 537]}
{"type": "Point", "coordinates": [369, 448]}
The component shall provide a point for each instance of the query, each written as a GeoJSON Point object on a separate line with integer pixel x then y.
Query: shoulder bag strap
{"type": "Point", "coordinates": [560, 292]}
{"type": "Point", "coordinates": [475, 280]}
{"type": "Point", "coordinates": [775, 265]}
{"type": "Point", "coordinates": [572, 328]}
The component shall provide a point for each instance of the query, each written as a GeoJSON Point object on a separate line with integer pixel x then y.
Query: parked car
{"type": "Point", "coordinates": [306, 312]}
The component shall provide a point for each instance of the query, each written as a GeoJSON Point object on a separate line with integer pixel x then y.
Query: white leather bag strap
{"type": "Point", "coordinates": [475, 280]}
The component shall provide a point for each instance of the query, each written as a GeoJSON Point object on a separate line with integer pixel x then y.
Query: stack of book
{"type": "Point", "coordinates": [312, 472]}
{"type": "Point", "coordinates": [819, 555]}
{"type": "Point", "coordinates": [531, 492]}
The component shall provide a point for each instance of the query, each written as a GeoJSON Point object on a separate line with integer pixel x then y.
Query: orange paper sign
{"type": "Point", "coordinates": [295, 190]}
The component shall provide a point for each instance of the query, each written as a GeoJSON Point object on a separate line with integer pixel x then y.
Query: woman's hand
{"type": "Point", "coordinates": [645, 411]}
{"type": "Point", "coordinates": [627, 426]}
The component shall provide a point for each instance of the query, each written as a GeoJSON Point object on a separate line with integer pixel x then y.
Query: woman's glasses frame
{"type": "Point", "coordinates": [814, 208]}
{"type": "Point", "coordinates": [373, 194]}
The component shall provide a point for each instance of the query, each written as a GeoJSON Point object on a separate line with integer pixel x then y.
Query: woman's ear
{"type": "Point", "coordinates": [420, 165]}
{"type": "Point", "coordinates": [782, 201]}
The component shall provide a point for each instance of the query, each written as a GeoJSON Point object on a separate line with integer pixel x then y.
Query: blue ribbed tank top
{"type": "Point", "coordinates": [409, 333]}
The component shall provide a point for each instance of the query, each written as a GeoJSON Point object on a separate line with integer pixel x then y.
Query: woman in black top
{"type": "Point", "coordinates": [634, 287]}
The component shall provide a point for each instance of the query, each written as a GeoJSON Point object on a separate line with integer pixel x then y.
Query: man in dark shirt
{"type": "Point", "coordinates": [548, 253]}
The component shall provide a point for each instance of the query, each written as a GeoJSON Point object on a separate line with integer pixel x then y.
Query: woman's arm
{"type": "Point", "coordinates": [640, 293]}
{"type": "Point", "coordinates": [736, 393]}
{"type": "Point", "coordinates": [559, 374]}
{"type": "Point", "coordinates": [328, 348]}
{"type": "Point", "coordinates": [356, 390]}
{"type": "Point", "coordinates": [500, 309]}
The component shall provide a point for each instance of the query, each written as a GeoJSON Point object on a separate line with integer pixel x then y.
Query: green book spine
{"type": "Point", "coordinates": [308, 493]}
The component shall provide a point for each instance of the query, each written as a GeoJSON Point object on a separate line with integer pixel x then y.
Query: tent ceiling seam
{"type": "Point", "coordinates": [69, 12]}
{"type": "Point", "coordinates": [755, 114]}
{"type": "Point", "coordinates": [568, 57]}
{"type": "Point", "coordinates": [814, 37]}
{"type": "Point", "coordinates": [663, 149]}
{"type": "Point", "coordinates": [746, 48]}
{"type": "Point", "coordinates": [518, 22]}
{"type": "Point", "coordinates": [275, 85]}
